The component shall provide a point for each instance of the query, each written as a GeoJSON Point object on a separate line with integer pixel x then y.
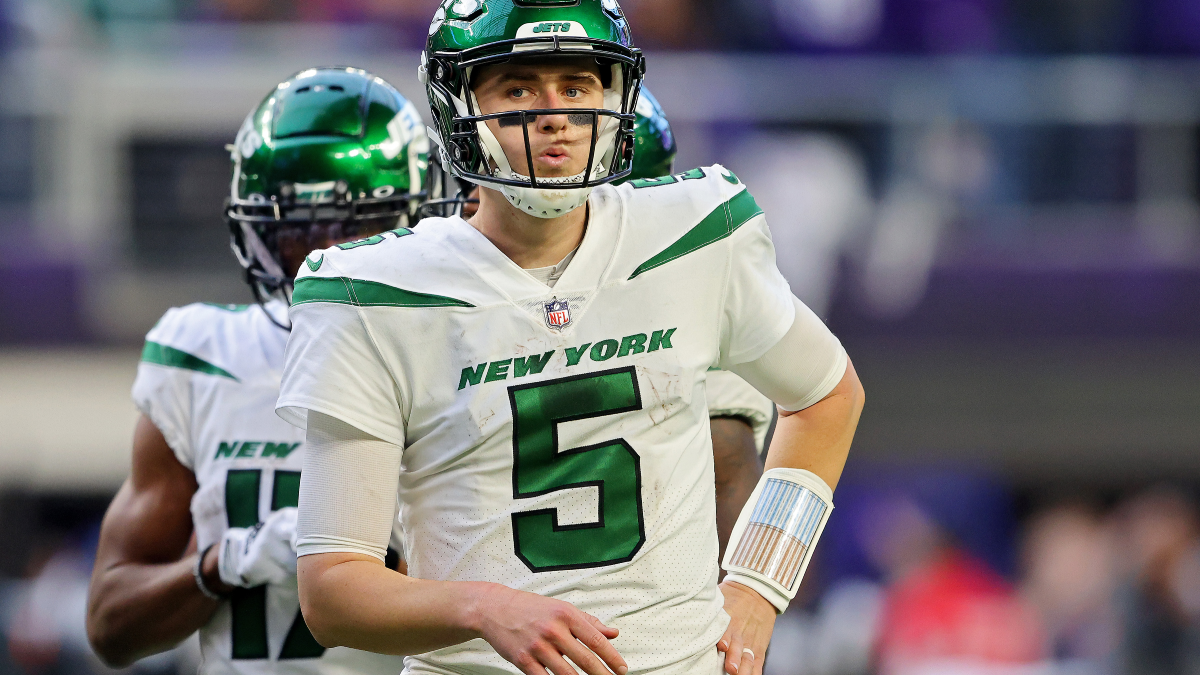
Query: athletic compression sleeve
{"type": "Point", "coordinates": [802, 368]}
{"type": "Point", "coordinates": [347, 490]}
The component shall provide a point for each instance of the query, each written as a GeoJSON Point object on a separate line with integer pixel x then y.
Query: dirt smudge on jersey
{"type": "Point", "coordinates": [666, 393]}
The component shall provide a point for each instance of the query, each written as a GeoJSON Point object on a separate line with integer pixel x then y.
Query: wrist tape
{"type": "Point", "coordinates": [776, 532]}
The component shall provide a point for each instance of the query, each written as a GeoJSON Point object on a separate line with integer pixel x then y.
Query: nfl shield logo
{"type": "Point", "coordinates": [558, 313]}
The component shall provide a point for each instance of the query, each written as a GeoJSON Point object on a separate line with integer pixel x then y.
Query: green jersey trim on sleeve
{"type": "Point", "coordinates": [163, 355]}
{"type": "Point", "coordinates": [722, 222]}
{"type": "Point", "coordinates": [346, 291]}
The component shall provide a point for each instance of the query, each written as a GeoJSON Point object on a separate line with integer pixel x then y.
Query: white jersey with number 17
{"type": "Point", "coordinates": [208, 379]}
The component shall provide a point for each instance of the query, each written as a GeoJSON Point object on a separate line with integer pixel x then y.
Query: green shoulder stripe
{"type": "Point", "coordinates": [721, 223]}
{"type": "Point", "coordinates": [169, 356]}
{"type": "Point", "coordinates": [345, 291]}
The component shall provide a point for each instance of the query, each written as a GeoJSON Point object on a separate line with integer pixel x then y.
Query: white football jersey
{"type": "Point", "coordinates": [208, 379]}
{"type": "Point", "coordinates": [554, 440]}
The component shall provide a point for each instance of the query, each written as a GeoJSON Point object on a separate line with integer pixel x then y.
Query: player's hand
{"type": "Point", "coordinates": [534, 633]}
{"type": "Point", "coordinates": [263, 554]}
{"type": "Point", "coordinates": [751, 622]}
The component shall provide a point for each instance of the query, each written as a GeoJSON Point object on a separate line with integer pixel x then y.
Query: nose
{"type": "Point", "coordinates": [553, 123]}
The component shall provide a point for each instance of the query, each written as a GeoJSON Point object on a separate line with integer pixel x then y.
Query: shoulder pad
{"type": "Point", "coordinates": [194, 338]}
{"type": "Point", "coordinates": [399, 268]}
{"type": "Point", "coordinates": [679, 214]}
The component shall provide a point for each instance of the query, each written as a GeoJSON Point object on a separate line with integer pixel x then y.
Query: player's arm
{"type": "Point", "coordinates": [735, 459]}
{"type": "Point", "coordinates": [809, 376]}
{"type": "Point", "coordinates": [143, 597]}
{"type": "Point", "coordinates": [740, 418]}
{"type": "Point", "coordinates": [349, 598]}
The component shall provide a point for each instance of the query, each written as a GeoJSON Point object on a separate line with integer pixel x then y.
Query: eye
{"type": "Point", "coordinates": [518, 93]}
{"type": "Point", "coordinates": [573, 92]}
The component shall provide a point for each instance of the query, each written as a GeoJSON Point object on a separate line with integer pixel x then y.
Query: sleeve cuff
{"type": "Point", "coordinates": [316, 544]}
{"type": "Point", "coordinates": [836, 372]}
{"type": "Point", "coordinates": [295, 411]}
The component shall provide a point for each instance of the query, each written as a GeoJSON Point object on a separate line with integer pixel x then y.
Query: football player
{"type": "Point", "coordinates": [330, 155]}
{"type": "Point", "coordinates": [739, 415]}
{"type": "Point", "coordinates": [532, 381]}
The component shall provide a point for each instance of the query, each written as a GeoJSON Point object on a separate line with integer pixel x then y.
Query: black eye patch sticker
{"type": "Point", "coordinates": [579, 120]}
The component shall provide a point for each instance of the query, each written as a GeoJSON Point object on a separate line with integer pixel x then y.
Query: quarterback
{"type": "Point", "coordinates": [531, 383]}
{"type": "Point", "coordinates": [740, 416]}
{"type": "Point", "coordinates": [330, 155]}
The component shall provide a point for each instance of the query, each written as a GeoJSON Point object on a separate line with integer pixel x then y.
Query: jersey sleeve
{"type": "Point", "coordinates": [333, 366]}
{"type": "Point", "coordinates": [163, 393]}
{"type": "Point", "coordinates": [758, 307]}
{"type": "Point", "coordinates": [730, 396]}
{"type": "Point", "coordinates": [760, 311]}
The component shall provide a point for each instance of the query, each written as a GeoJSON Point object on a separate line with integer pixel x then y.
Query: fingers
{"type": "Point", "coordinates": [557, 664]}
{"type": "Point", "coordinates": [610, 633]}
{"type": "Point", "coordinates": [733, 657]}
{"type": "Point", "coordinates": [723, 643]}
{"type": "Point", "coordinates": [748, 660]}
{"type": "Point", "coordinates": [595, 637]}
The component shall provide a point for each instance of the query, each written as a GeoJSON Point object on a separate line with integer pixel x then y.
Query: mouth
{"type": "Point", "coordinates": [555, 157]}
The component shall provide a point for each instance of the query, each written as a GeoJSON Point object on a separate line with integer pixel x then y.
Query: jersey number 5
{"type": "Point", "coordinates": [539, 468]}
{"type": "Point", "coordinates": [249, 605]}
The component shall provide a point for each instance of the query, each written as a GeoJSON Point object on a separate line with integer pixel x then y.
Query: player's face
{"type": "Point", "coordinates": [559, 144]}
{"type": "Point", "coordinates": [295, 242]}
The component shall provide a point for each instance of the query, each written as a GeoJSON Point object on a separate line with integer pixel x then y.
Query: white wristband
{"type": "Point", "coordinates": [774, 537]}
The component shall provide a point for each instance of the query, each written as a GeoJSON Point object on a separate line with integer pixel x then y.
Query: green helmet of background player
{"type": "Point", "coordinates": [654, 153]}
{"type": "Point", "coordinates": [331, 154]}
{"type": "Point", "coordinates": [468, 34]}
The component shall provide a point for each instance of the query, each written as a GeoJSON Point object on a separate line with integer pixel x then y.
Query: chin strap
{"type": "Point", "coordinates": [773, 541]}
{"type": "Point", "coordinates": [262, 297]}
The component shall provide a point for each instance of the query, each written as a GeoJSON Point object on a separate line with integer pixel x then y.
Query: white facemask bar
{"type": "Point", "coordinates": [773, 540]}
{"type": "Point", "coordinates": [258, 251]}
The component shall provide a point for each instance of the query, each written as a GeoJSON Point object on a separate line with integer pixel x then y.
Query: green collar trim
{"type": "Point", "coordinates": [163, 355]}
{"type": "Point", "coordinates": [722, 222]}
{"type": "Point", "coordinates": [359, 293]}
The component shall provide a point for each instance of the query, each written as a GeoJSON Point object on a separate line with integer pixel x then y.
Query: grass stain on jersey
{"type": "Point", "coordinates": [496, 371]}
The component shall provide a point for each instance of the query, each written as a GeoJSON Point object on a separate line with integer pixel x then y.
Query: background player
{"type": "Point", "coordinates": [739, 416]}
{"type": "Point", "coordinates": [331, 155]}
{"type": "Point", "coordinates": [493, 521]}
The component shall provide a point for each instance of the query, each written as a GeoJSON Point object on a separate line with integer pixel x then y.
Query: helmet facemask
{"type": "Point", "coordinates": [271, 237]}
{"type": "Point", "coordinates": [449, 196]}
{"type": "Point", "coordinates": [471, 150]}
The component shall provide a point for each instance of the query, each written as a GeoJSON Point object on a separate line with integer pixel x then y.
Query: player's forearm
{"type": "Point", "coordinates": [735, 460]}
{"type": "Point", "coordinates": [135, 610]}
{"type": "Point", "coordinates": [818, 438]}
{"type": "Point", "coordinates": [352, 600]}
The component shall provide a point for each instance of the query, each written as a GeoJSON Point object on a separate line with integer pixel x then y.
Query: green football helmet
{"type": "Point", "coordinates": [654, 153]}
{"type": "Point", "coordinates": [468, 34]}
{"type": "Point", "coordinates": [331, 154]}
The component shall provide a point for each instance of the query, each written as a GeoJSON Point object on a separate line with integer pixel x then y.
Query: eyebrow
{"type": "Point", "coordinates": [530, 77]}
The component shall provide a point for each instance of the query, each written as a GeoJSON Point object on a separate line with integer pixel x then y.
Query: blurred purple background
{"type": "Point", "coordinates": [994, 203]}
